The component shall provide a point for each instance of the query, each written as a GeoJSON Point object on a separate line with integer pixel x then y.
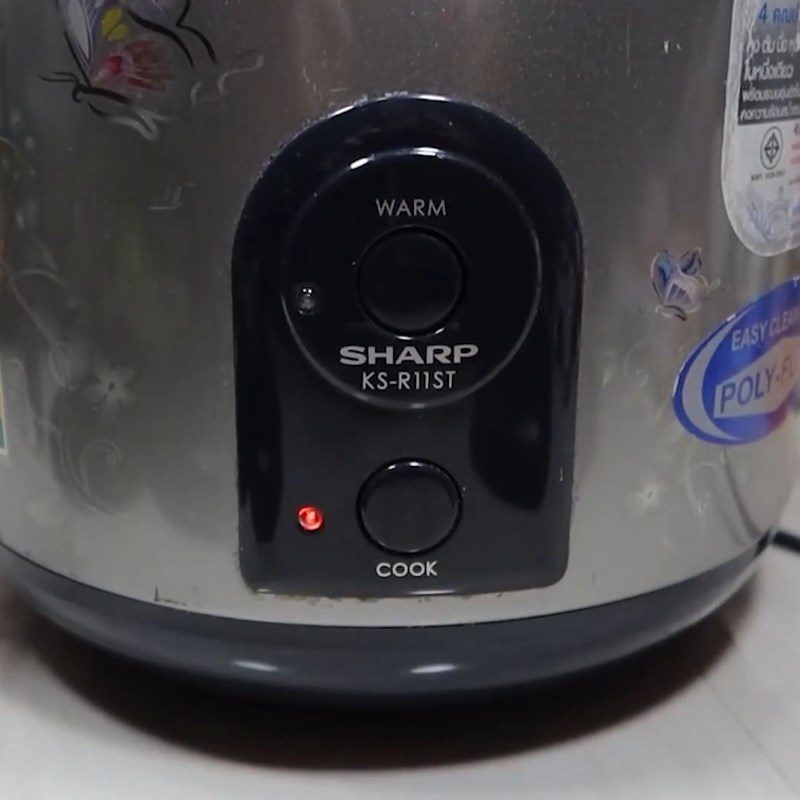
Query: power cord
{"type": "Point", "coordinates": [789, 541]}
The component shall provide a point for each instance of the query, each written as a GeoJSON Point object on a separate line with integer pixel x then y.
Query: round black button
{"type": "Point", "coordinates": [468, 300]}
{"type": "Point", "coordinates": [409, 506]}
{"type": "Point", "coordinates": [410, 281]}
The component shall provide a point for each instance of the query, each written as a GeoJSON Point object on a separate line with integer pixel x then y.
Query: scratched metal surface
{"type": "Point", "coordinates": [115, 320]}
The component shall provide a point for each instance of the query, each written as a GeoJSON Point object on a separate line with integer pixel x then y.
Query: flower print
{"type": "Point", "coordinates": [770, 217]}
{"type": "Point", "coordinates": [140, 64]}
{"type": "Point", "coordinates": [112, 26]}
{"type": "Point", "coordinates": [110, 388]}
{"type": "Point", "coordinates": [679, 284]}
{"type": "Point", "coordinates": [647, 495]}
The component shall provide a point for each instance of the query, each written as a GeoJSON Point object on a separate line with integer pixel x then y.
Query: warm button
{"type": "Point", "coordinates": [409, 507]}
{"type": "Point", "coordinates": [410, 281]}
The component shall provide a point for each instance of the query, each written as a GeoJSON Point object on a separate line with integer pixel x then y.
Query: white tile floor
{"type": "Point", "coordinates": [715, 713]}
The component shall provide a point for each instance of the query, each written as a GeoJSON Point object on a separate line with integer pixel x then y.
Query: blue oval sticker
{"type": "Point", "coordinates": [738, 385]}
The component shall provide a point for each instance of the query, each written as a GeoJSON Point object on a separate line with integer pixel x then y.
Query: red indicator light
{"type": "Point", "coordinates": [310, 518]}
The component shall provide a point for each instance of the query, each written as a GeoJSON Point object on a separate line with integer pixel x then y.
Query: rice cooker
{"type": "Point", "coordinates": [402, 349]}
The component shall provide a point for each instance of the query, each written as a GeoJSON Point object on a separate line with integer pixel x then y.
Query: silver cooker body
{"type": "Point", "coordinates": [117, 347]}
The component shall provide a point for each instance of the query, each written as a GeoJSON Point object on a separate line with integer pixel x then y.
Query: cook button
{"type": "Point", "coordinates": [409, 506]}
{"type": "Point", "coordinates": [410, 281]}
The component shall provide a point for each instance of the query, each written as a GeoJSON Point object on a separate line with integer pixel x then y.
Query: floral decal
{"type": "Point", "coordinates": [674, 471]}
{"type": "Point", "coordinates": [648, 494]}
{"type": "Point", "coordinates": [88, 463]}
{"type": "Point", "coordinates": [139, 65]}
{"type": "Point", "coordinates": [679, 284]}
{"type": "Point", "coordinates": [110, 388]}
{"type": "Point", "coordinates": [770, 217]}
{"type": "Point", "coordinates": [136, 62]}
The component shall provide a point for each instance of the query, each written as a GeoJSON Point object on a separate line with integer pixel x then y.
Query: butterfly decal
{"type": "Point", "coordinates": [132, 58]}
{"type": "Point", "coordinates": [679, 284]}
{"type": "Point", "coordinates": [80, 19]}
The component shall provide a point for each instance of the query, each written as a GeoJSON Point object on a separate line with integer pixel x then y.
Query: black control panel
{"type": "Point", "coordinates": [429, 272]}
{"type": "Point", "coordinates": [407, 281]}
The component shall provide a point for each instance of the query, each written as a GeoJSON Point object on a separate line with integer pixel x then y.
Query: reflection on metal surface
{"type": "Point", "coordinates": [256, 666]}
{"type": "Point", "coordinates": [433, 669]}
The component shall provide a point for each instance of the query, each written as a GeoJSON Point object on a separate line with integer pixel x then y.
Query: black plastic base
{"type": "Point", "coordinates": [379, 663]}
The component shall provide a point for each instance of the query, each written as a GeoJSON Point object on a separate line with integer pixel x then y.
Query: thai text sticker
{"type": "Point", "coordinates": [761, 148]}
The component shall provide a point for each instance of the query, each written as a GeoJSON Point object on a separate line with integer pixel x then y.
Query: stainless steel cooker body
{"type": "Point", "coordinates": [137, 150]}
